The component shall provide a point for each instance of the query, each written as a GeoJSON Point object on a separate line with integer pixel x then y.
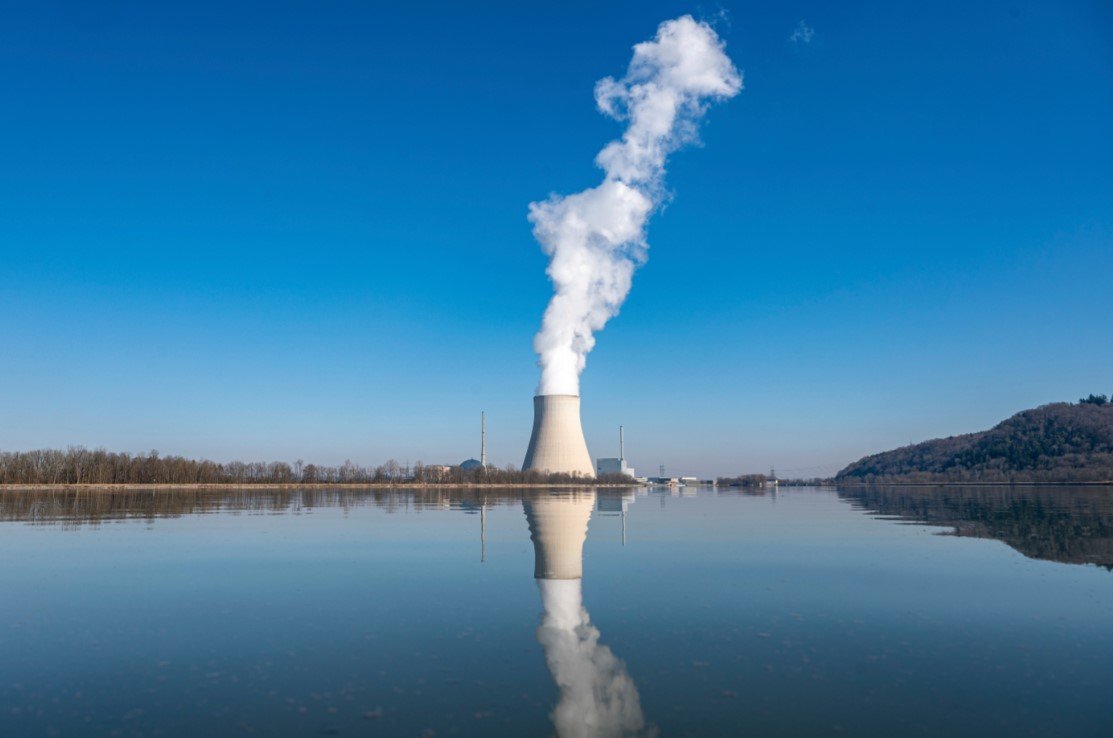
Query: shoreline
{"type": "Point", "coordinates": [1105, 483]}
{"type": "Point", "coordinates": [218, 486]}
{"type": "Point", "coordinates": [311, 485]}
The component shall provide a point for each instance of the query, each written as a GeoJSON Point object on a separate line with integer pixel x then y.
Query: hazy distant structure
{"type": "Point", "coordinates": [616, 466]}
{"type": "Point", "coordinates": [557, 443]}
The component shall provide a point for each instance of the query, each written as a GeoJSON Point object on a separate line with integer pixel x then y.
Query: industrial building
{"type": "Point", "coordinates": [616, 466]}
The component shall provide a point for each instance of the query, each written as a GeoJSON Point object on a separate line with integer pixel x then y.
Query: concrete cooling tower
{"type": "Point", "coordinates": [557, 444]}
{"type": "Point", "coordinates": [558, 528]}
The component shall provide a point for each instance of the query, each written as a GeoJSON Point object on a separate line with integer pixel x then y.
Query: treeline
{"type": "Point", "coordinates": [1061, 442]}
{"type": "Point", "coordinates": [78, 465]}
{"type": "Point", "coordinates": [744, 480]}
{"type": "Point", "coordinates": [805, 482]}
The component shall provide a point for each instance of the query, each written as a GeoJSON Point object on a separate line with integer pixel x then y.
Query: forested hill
{"type": "Point", "coordinates": [1061, 442]}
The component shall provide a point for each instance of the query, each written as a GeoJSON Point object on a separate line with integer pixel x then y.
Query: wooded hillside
{"type": "Point", "coordinates": [1061, 442]}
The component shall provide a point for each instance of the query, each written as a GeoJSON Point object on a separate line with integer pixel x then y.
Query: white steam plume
{"type": "Point", "coordinates": [598, 698]}
{"type": "Point", "coordinates": [596, 238]}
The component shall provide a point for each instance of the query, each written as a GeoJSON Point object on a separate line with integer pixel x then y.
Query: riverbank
{"type": "Point", "coordinates": [315, 485]}
{"type": "Point", "coordinates": [883, 483]}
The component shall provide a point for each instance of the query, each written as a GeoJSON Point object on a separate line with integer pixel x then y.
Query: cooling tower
{"type": "Point", "coordinates": [557, 444]}
{"type": "Point", "coordinates": [558, 528]}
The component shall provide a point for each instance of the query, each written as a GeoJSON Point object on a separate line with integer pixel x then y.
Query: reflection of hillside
{"type": "Point", "coordinates": [77, 507]}
{"type": "Point", "coordinates": [1068, 524]}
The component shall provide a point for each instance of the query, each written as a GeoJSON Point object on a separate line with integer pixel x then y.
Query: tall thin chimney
{"type": "Point", "coordinates": [621, 447]}
{"type": "Point", "coordinates": [483, 434]}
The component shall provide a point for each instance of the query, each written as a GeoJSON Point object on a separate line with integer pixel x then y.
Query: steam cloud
{"type": "Point", "coordinates": [596, 238]}
{"type": "Point", "coordinates": [597, 695]}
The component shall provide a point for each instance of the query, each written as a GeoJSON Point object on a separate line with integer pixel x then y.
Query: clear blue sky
{"type": "Point", "coordinates": [299, 229]}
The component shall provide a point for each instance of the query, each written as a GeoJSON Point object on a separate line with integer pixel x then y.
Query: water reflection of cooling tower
{"type": "Point", "coordinates": [557, 443]}
{"type": "Point", "coordinates": [597, 695]}
{"type": "Point", "coordinates": [558, 528]}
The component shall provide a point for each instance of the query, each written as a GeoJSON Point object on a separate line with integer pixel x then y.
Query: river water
{"type": "Point", "coordinates": [859, 612]}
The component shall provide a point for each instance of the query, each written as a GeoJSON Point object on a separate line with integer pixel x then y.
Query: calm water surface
{"type": "Point", "coordinates": [882, 612]}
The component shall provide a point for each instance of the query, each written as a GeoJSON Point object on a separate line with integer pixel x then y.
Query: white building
{"type": "Point", "coordinates": [614, 466]}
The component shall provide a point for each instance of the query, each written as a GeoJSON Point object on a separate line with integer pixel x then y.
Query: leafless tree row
{"type": "Point", "coordinates": [78, 465]}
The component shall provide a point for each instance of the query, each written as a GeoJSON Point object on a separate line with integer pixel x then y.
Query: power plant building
{"type": "Point", "coordinates": [614, 466]}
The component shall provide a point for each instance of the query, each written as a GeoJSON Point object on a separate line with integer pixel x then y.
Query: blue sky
{"type": "Point", "coordinates": [287, 230]}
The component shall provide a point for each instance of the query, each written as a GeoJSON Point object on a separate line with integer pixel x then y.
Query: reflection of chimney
{"type": "Point", "coordinates": [558, 527]}
{"type": "Point", "coordinates": [557, 443]}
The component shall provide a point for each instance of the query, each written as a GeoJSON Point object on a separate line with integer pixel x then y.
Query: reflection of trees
{"type": "Point", "coordinates": [1068, 524]}
{"type": "Point", "coordinates": [81, 506]}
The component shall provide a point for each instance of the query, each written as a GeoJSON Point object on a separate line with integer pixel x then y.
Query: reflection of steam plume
{"type": "Point", "coordinates": [597, 696]}
{"type": "Point", "coordinates": [596, 238]}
